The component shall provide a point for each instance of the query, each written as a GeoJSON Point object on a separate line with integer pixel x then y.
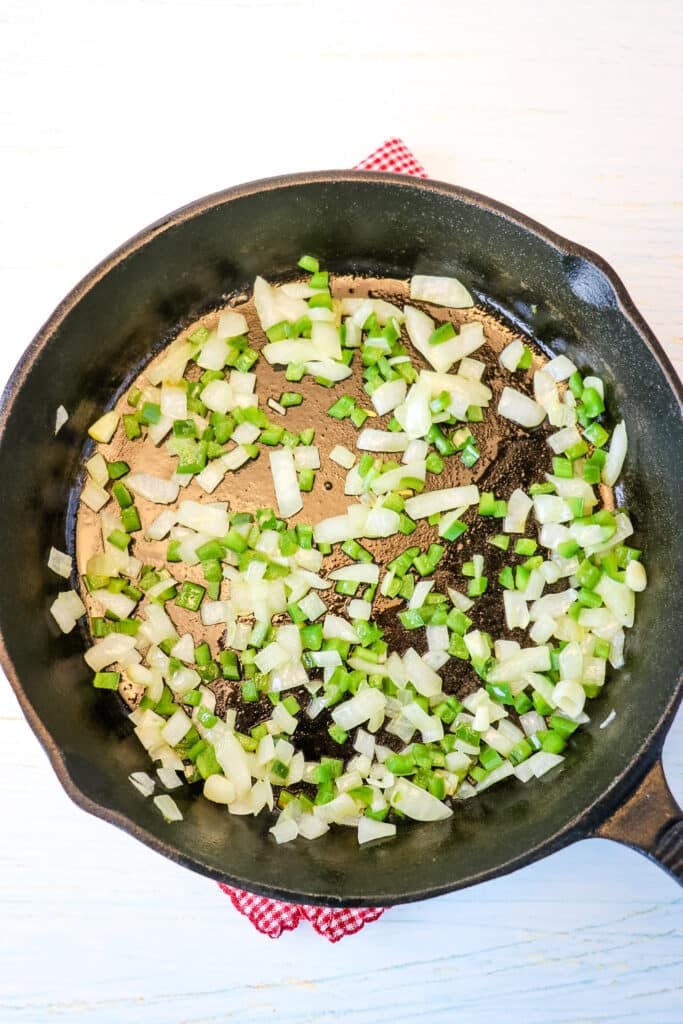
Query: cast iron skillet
{"type": "Point", "coordinates": [384, 226]}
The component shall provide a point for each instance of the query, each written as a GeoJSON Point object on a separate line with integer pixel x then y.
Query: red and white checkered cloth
{"type": "Point", "coordinates": [273, 917]}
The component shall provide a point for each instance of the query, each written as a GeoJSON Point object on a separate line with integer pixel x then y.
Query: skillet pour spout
{"type": "Point", "coordinates": [368, 225]}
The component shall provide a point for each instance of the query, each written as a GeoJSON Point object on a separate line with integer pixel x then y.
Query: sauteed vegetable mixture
{"type": "Point", "coordinates": [402, 612]}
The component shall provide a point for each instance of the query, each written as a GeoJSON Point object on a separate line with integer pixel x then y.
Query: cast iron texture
{"type": "Point", "coordinates": [381, 226]}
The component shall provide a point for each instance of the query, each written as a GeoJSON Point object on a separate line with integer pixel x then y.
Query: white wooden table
{"type": "Point", "coordinates": [113, 113]}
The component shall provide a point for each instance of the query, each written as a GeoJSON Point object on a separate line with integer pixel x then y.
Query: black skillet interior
{"type": "Point", "coordinates": [382, 226]}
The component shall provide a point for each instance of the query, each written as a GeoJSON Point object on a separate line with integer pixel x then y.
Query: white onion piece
{"type": "Point", "coordinates": [417, 451]}
{"type": "Point", "coordinates": [391, 481]}
{"type": "Point", "coordinates": [276, 407]}
{"type": "Point", "coordinates": [143, 782]}
{"type": "Point", "coordinates": [153, 488]}
{"type": "Point", "coordinates": [503, 771]}
{"type": "Point", "coordinates": [545, 389]}
{"type": "Point", "coordinates": [365, 705]}
{"type": "Point", "coordinates": [97, 469]}
{"type": "Point", "coordinates": [424, 679]}
{"type": "Point", "coordinates": [177, 726]}
{"type": "Point", "coordinates": [618, 598]}
{"type": "Point", "coordinates": [414, 414]}
{"type": "Point", "coordinates": [94, 496]}
{"type": "Point", "coordinates": [184, 649]}
{"type": "Point", "coordinates": [477, 645]}
{"type": "Point", "coordinates": [387, 396]}
{"type": "Point", "coordinates": [281, 353]}
{"type": "Point", "coordinates": [231, 324]}
{"type": "Point", "coordinates": [168, 807]}
{"type": "Point", "coordinates": [61, 416]}
{"type": "Point", "coordinates": [207, 519]}
{"type": "Point", "coordinates": [342, 456]}
{"type": "Point", "coordinates": [470, 338]}
{"type": "Point", "coordinates": [383, 310]}
{"type": "Point", "coordinates": [519, 408]}
{"type": "Point", "coordinates": [516, 611]}
{"type": "Point", "coordinates": [173, 402]}
{"type": "Point", "coordinates": [172, 366]}
{"type": "Point", "coordinates": [560, 368]}
{"type": "Point", "coordinates": [61, 563]}
{"type": "Point", "coordinates": [211, 476]}
{"type": "Point", "coordinates": [333, 530]}
{"type": "Point", "coordinates": [306, 457]}
{"type": "Point", "coordinates": [287, 493]}
{"type": "Point", "coordinates": [420, 328]}
{"type": "Point", "coordinates": [381, 522]}
{"type": "Point", "coordinates": [429, 726]}
{"type": "Point", "coordinates": [615, 456]}
{"type": "Point", "coordinates": [370, 440]}
{"type": "Point", "coordinates": [543, 762]}
{"type": "Point", "coordinates": [529, 659]}
{"type": "Point", "coordinates": [66, 609]}
{"type": "Point", "coordinates": [312, 606]}
{"type": "Point", "coordinates": [104, 428]}
{"type": "Point", "coordinates": [218, 396]}
{"type": "Point", "coordinates": [463, 391]}
{"type": "Point", "coordinates": [550, 508]}
{"type": "Point", "coordinates": [432, 502]}
{"type": "Point", "coordinates": [563, 439]}
{"type": "Point", "coordinates": [219, 790]}
{"type": "Point", "coordinates": [635, 577]}
{"type": "Point", "coordinates": [235, 458]}
{"type": "Point", "coordinates": [359, 609]}
{"type": "Point", "coordinates": [519, 506]}
{"type": "Point", "coordinates": [245, 433]}
{"type": "Point", "coordinates": [336, 627]}
{"type": "Point", "coordinates": [360, 572]}
{"type": "Point", "coordinates": [118, 604]}
{"type": "Point", "coordinates": [163, 523]}
{"type": "Point", "coordinates": [273, 305]}
{"type": "Point", "coordinates": [510, 356]}
{"type": "Point", "coordinates": [608, 721]}
{"type": "Point", "coordinates": [369, 830]}
{"type": "Point", "coordinates": [328, 369]}
{"type": "Point", "coordinates": [112, 648]}
{"type": "Point", "coordinates": [417, 803]}
{"type": "Point", "coordinates": [471, 369]}
{"type": "Point", "coordinates": [532, 722]}
{"type": "Point", "coordinates": [440, 291]}
{"type": "Point", "coordinates": [419, 595]}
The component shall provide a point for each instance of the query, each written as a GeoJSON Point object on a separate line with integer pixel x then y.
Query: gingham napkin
{"type": "Point", "coordinates": [273, 917]}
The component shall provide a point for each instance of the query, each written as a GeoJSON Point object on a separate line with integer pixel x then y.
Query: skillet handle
{"type": "Point", "coordinates": [651, 822]}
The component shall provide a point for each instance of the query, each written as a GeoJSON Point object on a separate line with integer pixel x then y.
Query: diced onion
{"type": "Point", "coordinates": [382, 441]}
{"type": "Point", "coordinates": [287, 493]}
{"type": "Point", "coordinates": [387, 396]}
{"type": "Point", "coordinates": [153, 488]}
{"type": "Point", "coordinates": [440, 291]}
{"type": "Point", "coordinates": [560, 368]}
{"type": "Point", "coordinates": [519, 408]}
{"type": "Point", "coordinates": [143, 782]}
{"type": "Point", "coordinates": [168, 807]}
{"type": "Point", "coordinates": [93, 496]}
{"type": "Point", "coordinates": [417, 803]}
{"type": "Point", "coordinates": [616, 455]}
{"type": "Point", "coordinates": [369, 829]}
{"type": "Point", "coordinates": [342, 456]}
{"type": "Point", "coordinates": [432, 502]}
{"type": "Point", "coordinates": [61, 416]}
{"type": "Point", "coordinates": [61, 563]}
{"type": "Point", "coordinates": [105, 427]}
{"type": "Point", "coordinates": [511, 355]}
